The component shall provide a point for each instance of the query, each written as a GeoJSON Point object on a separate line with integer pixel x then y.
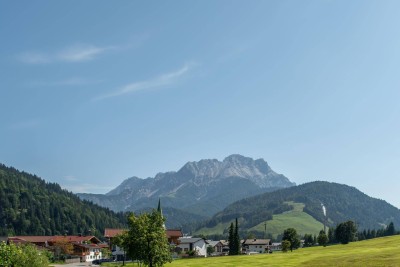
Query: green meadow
{"type": "Point", "coordinates": [377, 252]}
{"type": "Point", "coordinates": [297, 218]}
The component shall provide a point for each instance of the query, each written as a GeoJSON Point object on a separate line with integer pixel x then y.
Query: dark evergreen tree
{"type": "Point", "coordinates": [231, 239]}
{"type": "Point", "coordinates": [373, 233]}
{"type": "Point", "coordinates": [308, 240]}
{"type": "Point", "coordinates": [369, 236]}
{"type": "Point", "coordinates": [236, 239]}
{"type": "Point", "coordinates": [346, 232]}
{"type": "Point", "coordinates": [331, 235]}
{"type": "Point", "coordinates": [390, 229]}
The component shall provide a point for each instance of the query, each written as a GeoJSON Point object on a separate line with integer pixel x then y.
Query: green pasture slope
{"type": "Point", "coordinates": [296, 218]}
{"type": "Point", "coordinates": [377, 252]}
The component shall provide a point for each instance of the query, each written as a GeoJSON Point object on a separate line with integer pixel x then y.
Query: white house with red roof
{"type": "Point", "coordinates": [87, 248]}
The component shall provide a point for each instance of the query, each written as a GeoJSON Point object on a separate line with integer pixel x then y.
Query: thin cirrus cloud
{"type": "Point", "coordinates": [75, 81]}
{"type": "Point", "coordinates": [87, 188]}
{"type": "Point", "coordinates": [161, 81]}
{"type": "Point", "coordinates": [74, 53]}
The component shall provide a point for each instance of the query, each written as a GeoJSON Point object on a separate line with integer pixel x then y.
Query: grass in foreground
{"type": "Point", "coordinates": [378, 252]}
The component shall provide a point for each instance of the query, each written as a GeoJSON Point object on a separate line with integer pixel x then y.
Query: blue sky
{"type": "Point", "coordinates": [94, 92]}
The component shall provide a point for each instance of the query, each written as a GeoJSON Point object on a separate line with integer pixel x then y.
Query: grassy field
{"type": "Point", "coordinates": [296, 218]}
{"type": "Point", "coordinates": [375, 253]}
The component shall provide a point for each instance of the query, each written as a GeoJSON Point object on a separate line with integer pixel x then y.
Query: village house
{"type": "Point", "coordinates": [276, 246]}
{"type": "Point", "coordinates": [250, 246]}
{"type": "Point", "coordinates": [117, 253]}
{"type": "Point", "coordinates": [225, 247]}
{"type": "Point", "coordinates": [217, 246]}
{"type": "Point", "coordinates": [85, 248]}
{"type": "Point", "coordinates": [173, 236]}
{"type": "Point", "coordinates": [197, 244]}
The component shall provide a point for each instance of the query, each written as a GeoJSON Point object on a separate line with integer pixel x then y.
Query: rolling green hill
{"type": "Point", "coordinates": [30, 206]}
{"type": "Point", "coordinates": [276, 208]}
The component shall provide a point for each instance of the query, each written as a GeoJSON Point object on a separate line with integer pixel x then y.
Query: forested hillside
{"type": "Point", "coordinates": [342, 203]}
{"type": "Point", "coordinates": [30, 206]}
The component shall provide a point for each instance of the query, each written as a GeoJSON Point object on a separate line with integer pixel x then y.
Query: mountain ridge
{"type": "Point", "coordinates": [342, 203]}
{"type": "Point", "coordinates": [196, 182]}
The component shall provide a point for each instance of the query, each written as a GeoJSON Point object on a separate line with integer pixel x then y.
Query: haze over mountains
{"type": "Point", "coordinates": [203, 188]}
{"type": "Point", "coordinates": [201, 197]}
{"type": "Point", "coordinates": [342, 203]}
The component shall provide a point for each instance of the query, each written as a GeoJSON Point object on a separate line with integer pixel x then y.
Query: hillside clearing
{"type": "Point", "coordinates": [296, 218]}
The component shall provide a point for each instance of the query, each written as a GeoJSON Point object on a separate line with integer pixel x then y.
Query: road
{"type": "Point", "coordinates": [78, 264]}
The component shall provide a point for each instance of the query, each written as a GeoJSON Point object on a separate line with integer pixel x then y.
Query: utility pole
{"type": "Point", "coordinates": [265, 230]}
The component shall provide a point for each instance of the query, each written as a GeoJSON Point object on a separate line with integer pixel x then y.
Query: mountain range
{"type": "Point", "coordinates": [202, 197]}
{"type": "Point", "coordinates": [198, 188]}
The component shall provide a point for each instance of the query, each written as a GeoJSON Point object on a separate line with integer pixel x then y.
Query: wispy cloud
{"type": "Point", "coordinates": [88, 188]}
{"type": "Point", "coordinates": [70, 178]}
{"type": "Point", "coordinates": [79, 53]}
{"type": "Point", "coordinates": [73, 53]}
{"type": "Point", "coordinates": [163, 80]}
{"type": "Point", "coordinates": [76, 81]}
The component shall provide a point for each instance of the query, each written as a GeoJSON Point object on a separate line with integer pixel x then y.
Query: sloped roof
{"type": "Point", "coordinates": [75, 239]}
{"type": "Point", "coordinates": [30, 239]}
{"type": "Point", "coordinates": [174, 233]}
{"type": "Point", "coordinates": [224, 242]}
{"type": "Point", "coordinates": [256, 242]}
{"type": "Point", "coordinates": [191, 240]}
{"type": "Point", "coordinates": [214, 243]}
{"type": "Point", "coordinates": [112, 232]}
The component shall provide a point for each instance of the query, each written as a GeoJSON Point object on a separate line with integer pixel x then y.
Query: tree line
{"type": "Point", "coordinates": [346, 232]}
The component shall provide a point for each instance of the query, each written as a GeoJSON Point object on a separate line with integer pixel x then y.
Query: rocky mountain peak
{"type": "Point", "coordinates": [234, 165]}
{"type": "Point", "coordinates": [197, 182]}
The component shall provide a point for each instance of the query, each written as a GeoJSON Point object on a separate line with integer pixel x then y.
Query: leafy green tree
{"type": "Point", "coordinates": [346, 232]}
{"type": "Point", "coordinates": [146, 240]}
{"type": "Point", "coordinates": [22, 256]}
{"type": "Point", "coordinates": [210, 250]}
{"type": "Point", "coordinates": [322, 238]}
{"type": "Point", "coordinates": [62, 247]}
{"type": "Point", "coordinates": [286, 245]}
{"type": "Point", "coordinates": [8, 254]}
{"type": "Point", "coordinates": [32, 257]}
{"type": "Point", "coordinates": [290, 235]}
